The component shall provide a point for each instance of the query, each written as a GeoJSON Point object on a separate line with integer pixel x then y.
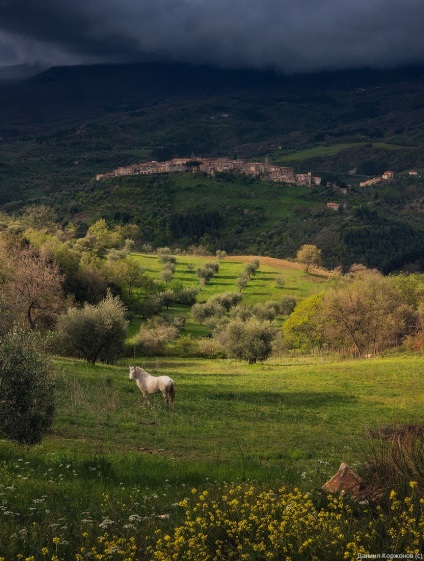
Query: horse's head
{"type": "Point", "coordinates": [132, 372]}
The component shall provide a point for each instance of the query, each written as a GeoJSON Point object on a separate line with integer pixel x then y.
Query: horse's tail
{"type": "Point", "coordinates": [172, 391]}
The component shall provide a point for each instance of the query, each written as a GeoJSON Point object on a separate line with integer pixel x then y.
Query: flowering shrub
{"type": "Point", "coordinates": [244, 525]}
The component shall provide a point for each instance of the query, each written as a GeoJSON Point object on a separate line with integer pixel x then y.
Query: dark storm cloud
{"type": "Point", "coordinates": [288, 35]}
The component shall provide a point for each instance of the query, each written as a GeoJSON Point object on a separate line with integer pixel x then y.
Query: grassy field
{"type": "Point", "coordinates": [111, 471]}
{"type": "Point", "coordinates": [328, 150]}
{"type": "Point", "coordinates": [109, 460]}
{"type": "Point", "coordinates": [262, 287]}
{"type": "Point", "coordinates": [288, 412]}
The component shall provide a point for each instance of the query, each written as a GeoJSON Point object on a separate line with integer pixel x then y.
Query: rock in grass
{"type": "Point", "coordinates": [345, 481]}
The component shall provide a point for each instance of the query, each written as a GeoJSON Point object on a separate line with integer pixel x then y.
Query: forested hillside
{"type": "Point", "coordinates": [63, 126]}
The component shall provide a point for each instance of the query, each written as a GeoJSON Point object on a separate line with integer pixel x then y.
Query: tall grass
{"type": "Point", "coordinates": [393, 457]}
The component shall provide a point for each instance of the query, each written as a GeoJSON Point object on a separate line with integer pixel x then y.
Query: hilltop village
{"type": "Point", "coordinates": [211, 166]}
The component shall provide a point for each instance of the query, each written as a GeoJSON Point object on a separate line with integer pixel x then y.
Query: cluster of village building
{"type": "Point", "coordinates": [211, 166]}
{"type": "Point", "coordinates": [386, 176]}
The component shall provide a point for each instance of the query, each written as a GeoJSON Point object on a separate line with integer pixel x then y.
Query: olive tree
{"type": "Point", "coordinates": [187, 296]}
{"type": "Point", "coordinates": [95, 332]}
{"type": "Point", "coordinates": [208, 311]}
{"type": "Point", "coordinates": [252, 267]}
{"type": "Point", "coordinates": [287, 305]}
{"type": "Point", "coordinates": [242, 281]}
{"type": "Point", "coordinates": [27, 400]}
{"type": "Point", "coordinates": [227, 299]}
{"type": "Point", "coordinates": [249, 340]}
{"type": "Point", "coordinates": [204, 274]}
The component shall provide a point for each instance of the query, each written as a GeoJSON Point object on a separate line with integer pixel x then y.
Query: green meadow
{"type": "Point", "coordinates": [111, 468]}
{"type": "Point", "coordinates": [285, 414]}
{"type": "Point", "coordinates": [288, 411]}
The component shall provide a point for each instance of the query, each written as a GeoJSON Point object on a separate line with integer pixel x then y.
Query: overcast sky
{"type": "Point", "coordinates": [286, 35]}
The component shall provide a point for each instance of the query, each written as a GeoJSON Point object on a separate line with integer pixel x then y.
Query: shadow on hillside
{"type": "Point", "coordinates": [161, 363]}
{"type": "Point", "coordinates": [315, 276]}
{"type": "Point", "coordinates": [311, 400]}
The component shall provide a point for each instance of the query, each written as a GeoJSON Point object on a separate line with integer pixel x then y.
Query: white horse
{"type": "Point", "coordinates": [153, 384]}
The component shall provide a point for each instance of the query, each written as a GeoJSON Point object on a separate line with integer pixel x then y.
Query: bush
{"type": "Point", "coordinates": [247, 522]}
{"type": "Point", "coordinates": [202, 313]}
{"type": "Point", "coordinates": [7, 316]}
{"type": "Point", "coordinates": [95, 332]}
{"type": "Point", "coordinates": [187, 296]}
{"type": "Point", "coordinates": [209, 347]}
{"type": "Point", "coordinates": [154, 336]}
{"type": "Point", "coordinates": [287, 305]}
{"type": "Point", "coordinates": [227, 299]}
{"type": "Point", "coordinates": [27, 400]}
{"type": "Point", "coordinates": [393, 458]}
{"type": "Point", "coordinates": [249, 340]}
{"type": "Point", "coordinates": [186, 346]}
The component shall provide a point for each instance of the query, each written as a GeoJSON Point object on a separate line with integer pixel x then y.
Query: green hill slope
{"type": "Point", "coordinates": [262, 287]}
{"type": "Point", "coordinates": [375, 226]}
{"type": "Point", "coordinates": [62, 127]}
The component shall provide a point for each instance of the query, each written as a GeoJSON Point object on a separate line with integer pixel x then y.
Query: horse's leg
{"type": "Point", "coordinates": [146, 400]}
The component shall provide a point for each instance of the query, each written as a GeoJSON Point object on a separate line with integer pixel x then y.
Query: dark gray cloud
{"type": "Point", "coordinates": [287, 35]}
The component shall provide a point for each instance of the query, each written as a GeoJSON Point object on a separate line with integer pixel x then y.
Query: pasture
{"type": "Point", "coordinates": [262, 287]}
{"type": "Point", "coordinates": [287, 413]}
{"type": "Point", "coordinates": [323, 150]}
{"type": "Point", "coordinates": [289, 421]}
